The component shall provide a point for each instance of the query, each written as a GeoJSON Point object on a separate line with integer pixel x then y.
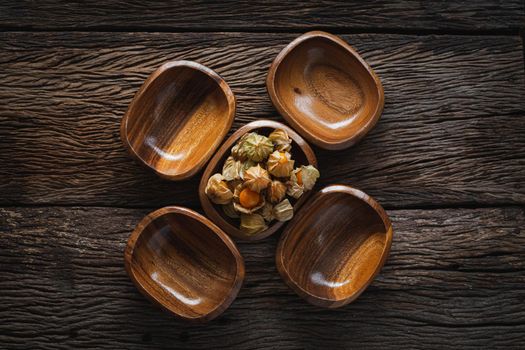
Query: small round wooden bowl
{"type": "Point", "coordinates": [184, 263]}
{"type": "Point", "coordinates": [178, 118]}
{"type": "Point", "coordinates": [335, 246]}
{"type": "Point", "coordinates": [325, 90]}
{"type": "Point", "coordinates": [301, 153]}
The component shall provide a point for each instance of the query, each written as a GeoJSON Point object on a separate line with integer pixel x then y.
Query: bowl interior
{"type": "Point", "coordinates": [297, 154]}
{"type": "Point", "coordinates": [334, 246]}
{"type": "Point", "coordinates": [326, 89]}
{"type": "Point", "coordinates": [178, 120]}
{"type": "Point", "coordinates": [184, 265]}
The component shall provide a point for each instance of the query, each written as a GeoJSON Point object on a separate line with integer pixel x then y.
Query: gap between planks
{"type": "Point", "coordinates": [460, 205]}
{"type": "Point", "coordinates": [270, 30]}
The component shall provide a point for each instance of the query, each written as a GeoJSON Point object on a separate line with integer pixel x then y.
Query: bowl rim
{"type": "Point", "coordinates": [295, 122]}
{"type": "Point", "coordinates": [209, 207]}
{"type": "Point", "coordinates": [225, 88]}
{"type": "Point", "coordinates": [330, 302]}
{"type": "Point", "coordinates": [232, 248]}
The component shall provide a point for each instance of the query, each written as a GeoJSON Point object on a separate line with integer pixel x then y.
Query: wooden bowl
{"type": "Point", "coordinates": [178, 118]}
{"type": "Point", "coordinates": [301, 153]}
{"type": "Point", "coordinates": [325, 90]}
{"type": "Point", "coordinates": [184, 263]}
{"type": "Point", "coordinates": [334, 246]}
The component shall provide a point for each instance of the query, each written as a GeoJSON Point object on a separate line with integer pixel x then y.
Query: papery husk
{"type": "Point", "coordinates": [231, 169]}
{"type": "Point", "coordinates": [247, 164]}
{"type": "Point", "coordinates": [256, 178]}
{"type": "Point", "coordinates": [255, 147]}
{"type": "Point", "coordinates": [252, 224]}
{"type": "Point", "coordinates": [293, 188]}
{"type": "Point", "coordinates": [237, 150]}
{"type": "Point", "coordinates": [280, 164]}
{"type": "Point", "coordinates": [276, 191]}
{"type": "Point", "coordinates": [283, 211]}
{"type": "Point", "coordinates": [267, 212]}
{"type": "Point", "coordinates": [281, 140]}
{"type": "Point", "coordinates": [309, 176]}
{"type": "Point", "coordinates": [217, 190]}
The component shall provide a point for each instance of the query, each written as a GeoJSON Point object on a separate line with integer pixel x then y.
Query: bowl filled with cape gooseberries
{"type": "Point", "coordinates": [256, 181]}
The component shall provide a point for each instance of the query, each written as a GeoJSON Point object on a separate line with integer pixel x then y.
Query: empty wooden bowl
{"type": "Point", "coordinates": [325, 90]}
{"type": "Point", "coordinates": [184, 263]}
{"type": "Point", "coordinates": [334, 246]}
{"type": "Point", "coordinates": [301, 153]}
{"type": "Point", "coordinates": [178, 118]}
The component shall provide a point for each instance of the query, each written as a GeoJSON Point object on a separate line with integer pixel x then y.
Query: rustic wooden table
{"type": "Point", "coordinates": [447, 161]}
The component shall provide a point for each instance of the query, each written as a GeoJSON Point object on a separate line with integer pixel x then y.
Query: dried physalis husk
{"type": "Point", "coordinates": [230, 211]}
{"type": "Point", "coordinates": [276, 191]}
{"type": "Point", "coordinates": [217, 190]}
{"type": "Point", "coordinates": [294, 189]}
{"type": "Point", "coordinates": [308, 176]}
{"type": "Point", "coordinates": [256, 147]}
{"type": "Point", "coordinates": [281, 140]}
{"type": "Point", "coordinates": [256, 178]}
{"type": "Point", "coordinates": [267, 212]}
{"type": "Point", "coordinates": [237, 186]}
{"type": "Point", "coordinates": [248, 201]}
{"type": "Point", "coordinates": [302, 179]}
{"type": "Point", "coordinates": [237, 149]}
{"type": "Point", "coordinates": [252, 224]}
{"type": "Point", "coordinates": [280, 164]}
{"type": "Point", "coordinates": [247, 164]}
{"type": "Point", "coordinates": [231, 169]}
{"type": "Point", "coordinates": [283, 211]}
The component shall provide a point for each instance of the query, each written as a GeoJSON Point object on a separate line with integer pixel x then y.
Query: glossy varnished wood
{"type": "Point", "coordinates": [301, 153]}
{"type": "Point", "coordinates": [184, 263]}
{"type": "Point", "coordinates": [335, 246]}
{"type": "Point", "coordinates": [178, 118]}
{"type": "Point", "coordinates": [325, 90]}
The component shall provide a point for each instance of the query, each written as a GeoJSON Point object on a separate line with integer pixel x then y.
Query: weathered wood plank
{"type": "Point", "coordinates": [272, 14]}
{"type": "Point", "coordinates": [454, 280]}
{"type": "Point", "coordinates": [452, 132]}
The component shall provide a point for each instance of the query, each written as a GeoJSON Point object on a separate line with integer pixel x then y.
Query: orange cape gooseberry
{"type": "Point", "coordinates": [249, 199]}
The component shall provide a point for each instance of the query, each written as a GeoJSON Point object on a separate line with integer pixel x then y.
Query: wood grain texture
{"type": "Point", "coordinates": [272, 14]}
{"type": "Point", "coordinates": [184, 263]}
{"type": "Point", "coordinates": [178, 118]}
{"type": "Point", "coordinates": [334, 246]}
{"type": "Point", "coordinates": [332, 98]}
{"type": "Point", "coordinates": [454, 279]}
{"type": "Point", "coordinates": [451, 132]}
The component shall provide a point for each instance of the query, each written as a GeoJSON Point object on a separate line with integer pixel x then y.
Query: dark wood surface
{"type": "Point", "coordinates": [454, 279]}
{"type": "Point", "coordinates": [447, 160]}
{"type": "Point", "coordinates": [262, 15]}
{"type": "Point", "coordinates": [451, 132]}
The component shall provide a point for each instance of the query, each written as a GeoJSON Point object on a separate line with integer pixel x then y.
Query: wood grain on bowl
{"type": "Point", "coordinates": [325, 90]}
{"type": "Point", "coordinates": [184, 263]}
{"type": "Point", "coordinates": [301, 153]}
{"type": "Point", "coordinates": [178, 118]}
{"type": "Point", "coordinates": [335, 246]}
